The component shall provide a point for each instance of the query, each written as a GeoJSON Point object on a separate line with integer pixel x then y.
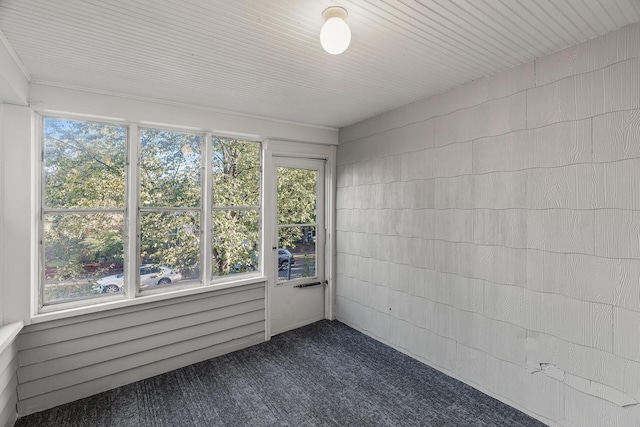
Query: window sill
{"type": "Point", "coordinates": [146, 299]}
{"type": "Point", "coordinates": [8, 333]}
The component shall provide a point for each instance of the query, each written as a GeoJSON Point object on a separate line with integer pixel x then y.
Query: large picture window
{"type": "Point", "coordinates": [165, 203]}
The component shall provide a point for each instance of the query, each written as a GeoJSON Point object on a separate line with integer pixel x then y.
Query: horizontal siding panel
{"type": "Point", "coordinates": [58, 397]}
{"type": "Point", "coordinates": [83, 326]}
{"type": "Point", "coordinates": [91, 357]}
{"type": "Point", "coordinates": [115, 366]}
{"type": "Point", "coordinates": [52, 324]}
{"type": "Point", "coordinates": [8, 414]}
{"type": "Point", "coordinates": [8, 383]}
{"type": "Point", "coordinates": [73, 346]}
{"type": "Point", "coordinates": [7, 356]}
{"type": "Point", "coordinates": [8, 400]}
{"type": "Point", "coordinates": [68, 359]}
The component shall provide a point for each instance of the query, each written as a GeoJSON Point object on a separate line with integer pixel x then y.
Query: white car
{"type": "Point", "coordinates": [150, 275]}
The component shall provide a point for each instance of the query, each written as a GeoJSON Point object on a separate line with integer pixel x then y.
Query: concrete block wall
{"type": "Point", "coordinates": [493, 232]}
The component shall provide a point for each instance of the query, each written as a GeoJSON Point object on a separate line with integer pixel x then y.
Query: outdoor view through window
{"type": "Point", "coordinates": [297, 204]}
{"type": "Point", "coordinates": [86, 223]}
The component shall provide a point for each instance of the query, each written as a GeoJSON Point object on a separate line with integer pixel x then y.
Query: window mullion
{"type": "Point", "coordinates": [132, 233]}
{"type": "Point", "coordinates": [207, 216]}
{"type": "Point", "coordinates": [39, 303]}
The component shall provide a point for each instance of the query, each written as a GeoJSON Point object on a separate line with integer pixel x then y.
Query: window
{"type": "Point", "coordinates": [236, 206]}
{"type": "Point", "coordinates": [83, 207]}
{"type": "Point", "coordinates": [170, 204]}
{"type": "Point", "coordinates": [179, 201]}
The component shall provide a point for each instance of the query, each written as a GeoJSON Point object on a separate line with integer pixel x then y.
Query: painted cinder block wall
{"type": "Point", "coordinates": [493, 232]}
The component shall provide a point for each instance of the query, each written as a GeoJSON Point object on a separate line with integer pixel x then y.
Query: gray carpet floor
{"type": "Point", "coordinates": [325, 374]}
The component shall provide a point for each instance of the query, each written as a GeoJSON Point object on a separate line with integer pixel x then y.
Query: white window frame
{"type": "Point", "coordinates": [131, 232]}
{"type": "Point", "coordinates": [39, 292]}
{"type": "Point", "coordinates": [211, 208]}
{"type": "Point", "coordinates": [134, 285]}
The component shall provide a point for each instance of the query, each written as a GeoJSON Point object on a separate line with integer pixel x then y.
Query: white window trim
{"type": "Point", "coordinates": [102, 305]}
{"type": "Point", "coordinates": [133, 289]}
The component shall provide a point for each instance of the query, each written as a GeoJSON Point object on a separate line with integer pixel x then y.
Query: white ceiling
{"type": "Point", "coordinates": [263, 57]}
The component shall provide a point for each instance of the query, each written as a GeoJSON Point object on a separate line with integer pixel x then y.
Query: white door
{"type": "Point", "coordinates": [297, 291]}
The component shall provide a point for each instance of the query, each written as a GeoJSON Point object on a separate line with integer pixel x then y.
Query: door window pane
{"type": "Point", "coordinates": [169, 248]}
{"type": "Point", "coordinates": [296, 252]}
{"type": "Point", "coordinates": [296, 196]}
{"type": "Point", "coordinates": [83, 255]}
{"type": "Point", "coordinates": [297, 204]}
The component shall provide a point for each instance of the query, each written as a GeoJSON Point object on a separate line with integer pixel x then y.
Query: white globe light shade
{"type": "Point", "coordinates": [335, 36]}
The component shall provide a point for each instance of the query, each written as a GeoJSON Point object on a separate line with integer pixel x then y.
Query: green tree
{"type": "Point", "coordinates": [236, 202]}
{"type": "Point", "coordinates": [84, 202]}
{"type": "Point", "coordinates": [170, 169]}
{"type": "Point", "coordinates": [84, 168]}
{"type": "Point", "coordinates": [170, 193]}
{"type": "Point", "coordinates": [84, 165]}
{"type": "Point", "coordinates": [296, 204]}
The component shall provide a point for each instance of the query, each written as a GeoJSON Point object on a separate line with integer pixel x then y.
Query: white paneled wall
{"type": "Point", "coordinates": [493, 232]}
{"type": "Point", "coordinates": [16, 215]}
{"type": "Point", "coordinates": [64, 360]}
{"type": "Point", "coordinates": [8, 373]}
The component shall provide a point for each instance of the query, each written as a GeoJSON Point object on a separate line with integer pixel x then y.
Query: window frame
{"type": "Point", "coordinates": [43, 211]}
{"type": "Point", "coordinates": [131, 230]}
{"type": "Point", "coordinates": [212, 208]}
{"type": "Point", "coordinates": [140, 210]}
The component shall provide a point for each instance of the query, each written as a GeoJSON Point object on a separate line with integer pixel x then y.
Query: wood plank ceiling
{"type": "Point", "coordinates": [263, 57]}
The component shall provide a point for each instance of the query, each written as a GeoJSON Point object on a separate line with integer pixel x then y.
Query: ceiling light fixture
{"type": "Point", "coordinates": [335, 34]}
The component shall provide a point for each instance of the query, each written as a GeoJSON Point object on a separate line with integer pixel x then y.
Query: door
{"type": "Point", "coordinates": [297, 288]}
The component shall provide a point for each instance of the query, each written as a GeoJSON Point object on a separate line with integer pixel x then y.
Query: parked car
{"type": "Point", "coordinates": [285, 259]}
{"type": "Point", "coordinates": [150, 275]}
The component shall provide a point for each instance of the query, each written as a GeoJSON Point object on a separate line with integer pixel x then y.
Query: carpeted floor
{"type": "Point", "coordinates": [325, 374]}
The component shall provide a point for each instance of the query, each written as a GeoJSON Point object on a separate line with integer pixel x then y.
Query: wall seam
{"type": "Point", "coordinates": [2, 204]}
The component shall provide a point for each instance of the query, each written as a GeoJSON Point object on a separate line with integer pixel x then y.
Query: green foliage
{"type": "Point", "coordinates": [73, 240]}
{"type": "Point", "coordinates": [170, 177]}
{"type": "Point", "coordinates": [235, 241]}
{"type": "Point", "coordinates": [306, 269]}
{"type": "Point", "coordinates": [170, 167]}
{"type": "Point", "coordinates": [84, 165]}
{"type": "Point", "coordinates": [236, 173]}
{"type": "Point", "coordinates": [236, 183]}
{"type": "Point", "coordinates": [171, 239]}
{"type": "Point", "coordinates": [296, 204]}
{"type": "Point", "coordinates": [84, 168]}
